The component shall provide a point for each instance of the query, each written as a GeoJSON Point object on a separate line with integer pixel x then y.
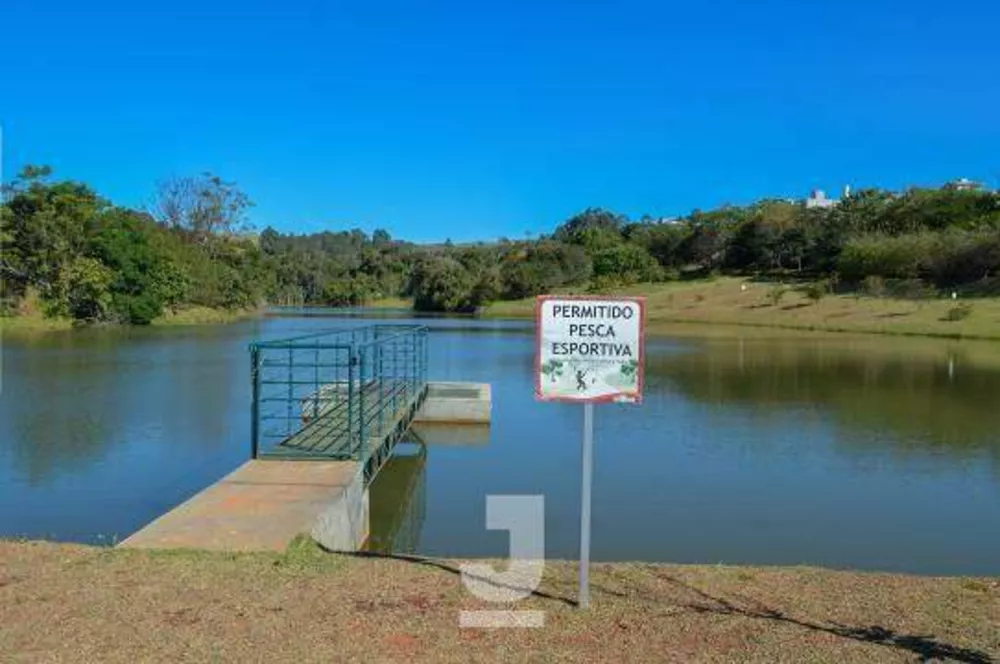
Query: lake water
{"type": "Point", "coordinates": [751, 447]}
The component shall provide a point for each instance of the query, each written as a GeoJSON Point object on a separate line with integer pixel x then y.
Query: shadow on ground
{"type": "Point", "coordinates": [452, 569]}
{"type": "Point", "coordinates": [926, 647]}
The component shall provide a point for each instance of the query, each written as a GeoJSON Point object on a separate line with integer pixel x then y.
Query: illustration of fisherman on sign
{"type": "Point", "coordinates": [581, 384]}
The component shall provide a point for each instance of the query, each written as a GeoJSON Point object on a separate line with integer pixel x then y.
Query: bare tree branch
{"type": "Point", "coordinates": [203, 205]}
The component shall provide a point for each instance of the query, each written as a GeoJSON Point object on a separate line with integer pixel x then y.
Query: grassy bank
{"type": "Point", "coordinates": [203, 316]}
{"type": "Point", "coordinates": [36, 323]}
{"type": "Point", "coordinates": [391, 303]}
{"type": "Point", "coordinates": [723, 301]}
{"type": "Point", "coordinates": [71, 603]}
{"type": "Point", "coordinates": [33, 324]}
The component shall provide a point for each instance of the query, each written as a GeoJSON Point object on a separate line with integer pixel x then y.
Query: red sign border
{"type": "Point", "coordinates": [609, 398]}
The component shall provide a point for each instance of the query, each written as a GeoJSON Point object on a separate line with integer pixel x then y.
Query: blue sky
{"type": "Point", "coordinates": [474, 120]}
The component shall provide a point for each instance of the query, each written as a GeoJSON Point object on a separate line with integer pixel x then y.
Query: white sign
{"type": "Point", "coordinates": [590, 349]}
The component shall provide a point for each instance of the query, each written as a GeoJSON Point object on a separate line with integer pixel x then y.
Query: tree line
{"type": "Point", "coordinates": [72, 253]}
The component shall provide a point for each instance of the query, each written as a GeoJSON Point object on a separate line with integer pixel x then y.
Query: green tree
{"type": "Point", "coordinates": [594, 228]}
{"type": "Point", "coordinates": [46, 226]}
{"type": "Point", "coordinates": [443, 284]}
{"type": "Point", "coordinates": [753, 247]}
{"type": "Point", "coordinates": [662, 240]}
{"type": "Point", "coordinates": [145, 280]}
{"type": "Point", "coordinates": [704, 247]}
{"type": "Point", "coordinates": [626, 263]}
{"type": "Point", "coordinates": [539, 267]}
{"type": "Point", "coordinates": [900, 257]}
{"type": "Point", "coordinates": [87, 290]}
{"type": "Point", "coordinates": [863, 211]}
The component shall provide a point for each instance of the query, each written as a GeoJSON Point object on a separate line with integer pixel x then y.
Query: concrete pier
{"type": "Point", "coordinates": [452, 435]}
{"type": "Point", "coordinates": [456, 403]}
{"type": "Point", "coordinates": [262, 506]}
{"type": "Point", "coordinates": [265, 503]}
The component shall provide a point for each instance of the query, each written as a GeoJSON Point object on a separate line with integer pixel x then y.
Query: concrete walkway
{"type": "Point", "coordinates": [261, 506]}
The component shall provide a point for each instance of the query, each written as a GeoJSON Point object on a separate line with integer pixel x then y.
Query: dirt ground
{"type": "Point", "coordinates": [62, 603]}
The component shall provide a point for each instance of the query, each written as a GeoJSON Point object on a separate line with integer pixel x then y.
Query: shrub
{"type": "Point", "coordinates": [901, 257]}
{"type": "Point", "coordinates": [834, 281]}
{"type": "Point", "coordinates": [911, 289]}
{"type": "Point", "coordinates": [541, 268]}
{"type": "Point", "coordinates": [87, 289]}
{"type": "Point", "coordinates": [137, 309]}
{"type": "Point", "coordinates": [346, 292]}
{"type": "Point", "coordinates": [959, 312]}
{"type": "Point", "coordinates": [947, 258]}
{"type": "Point", "coordinates": [604, 285]}
{"type": "Point", "coordinates": [671, 274]}
{"type": "Point", "coordinates": [873, 286]}
{"type": "Point", "coordinates": [775, 293]}
{"type": "Point", "coordinates": [961, 257]}
{"type": "Point", "coordinates": [817, 290]}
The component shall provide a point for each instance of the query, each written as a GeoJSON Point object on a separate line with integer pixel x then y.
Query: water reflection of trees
{"type": "Point", "coordinates": [55, 415]}
{"type": "Point", "coordinates": [928, 404]}
{"type": "Point", "coordinates": [72, 401]}
{"type": "Point", "coordinates": [398, 501]}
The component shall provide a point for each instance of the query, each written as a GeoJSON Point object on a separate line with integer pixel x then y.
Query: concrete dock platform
{"type": "Point", "coordinates": [456, 403]}
{"type": "Point", "coordinates": [464, 434]}
{"type": "Point", "coordinates": [265, 503]}
{"type": "Point", "coordinates": [261, 506]}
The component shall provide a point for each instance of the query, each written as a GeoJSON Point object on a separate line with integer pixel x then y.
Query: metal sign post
{"type": "Point", "coordinates": [590, 350]}
{"type": "Point", "coordinates": [588, 476]}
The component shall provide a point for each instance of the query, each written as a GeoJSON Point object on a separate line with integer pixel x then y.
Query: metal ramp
{"type": "Point", "coordinates": [347, 394]}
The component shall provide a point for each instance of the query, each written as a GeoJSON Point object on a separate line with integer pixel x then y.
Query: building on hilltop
{"type": "Point", "coordinates": [817, 198]}
{"type": "Point", "coordinates": [963, 184]}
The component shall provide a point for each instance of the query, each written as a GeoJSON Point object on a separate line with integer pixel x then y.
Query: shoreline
{"type": "Point", "coordinates": [205, 316]}
{"type": "Point", "coordinates": [308, 605]}
{"type": "Point", "coordinates": [700, 303]}
{"type": "Point", "coordinates": [190, 316]}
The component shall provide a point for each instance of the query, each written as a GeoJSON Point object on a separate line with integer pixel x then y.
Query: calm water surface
{"type": "Point", "coordinates": [751, 447]}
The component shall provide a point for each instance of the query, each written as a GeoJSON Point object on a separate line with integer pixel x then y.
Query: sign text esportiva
{"type": "Point", "coordinates": [589, 349]}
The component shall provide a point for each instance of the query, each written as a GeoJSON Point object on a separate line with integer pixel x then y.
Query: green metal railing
{"type": "Point", "coordinates": [344, 394]}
